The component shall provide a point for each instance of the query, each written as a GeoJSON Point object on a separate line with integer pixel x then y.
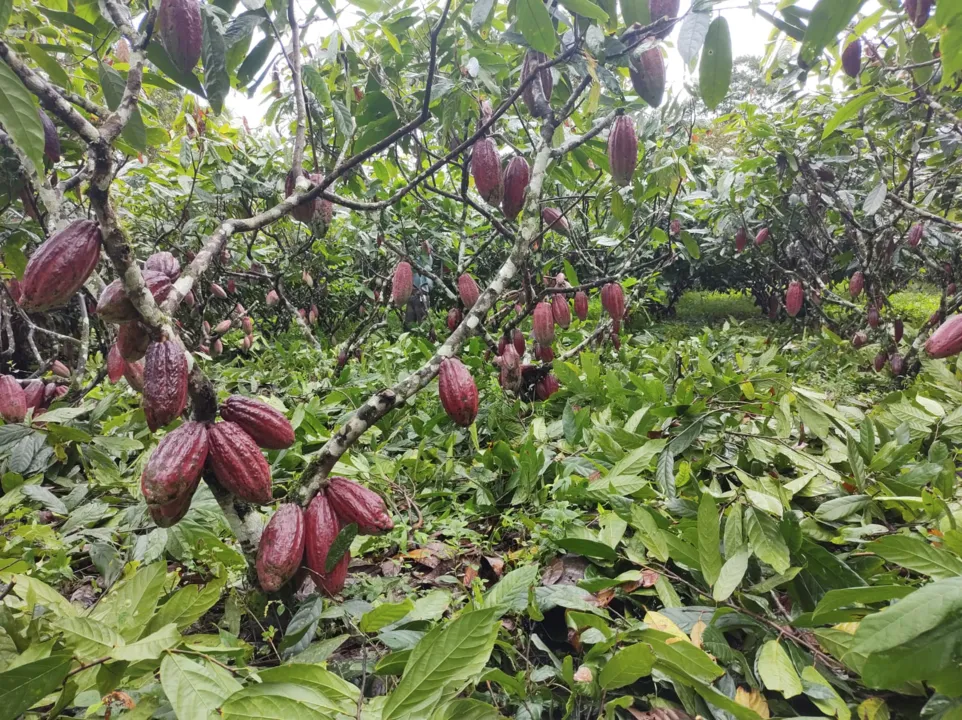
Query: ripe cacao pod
{"type": "Point", "coordinates": [306, 212]}
{"type": "Point", "coordinates": [502, 344]}
{"type": "Point", "coordinates": [761, 237]}
{"type": "Point", "coordinates": [59, 369]}
{"type": "Point", "coordinates": [51, 140]}
{"type": "Point", "coordinates": [856, 284]}
{"type": "Point", "coordinates": [622, 149]}
{"type": "Point", "coordinates": [165, 383]}
{"type": "Point", "coordinates": [613, 300]}
{"type": "Point", "coordinates": [741, 240]}
{"type": "Point", "coordinates": [134, 374]}
{"type": "Point", "coordinates": [189, 299]}
{"type": "Point", "coordinates": [794, 298]}
{"type": "Point", "coordinates": [231, 287]}
{"type": "Point", "coordinates": [216, 348]}
{"type": "Point", "coordinates": [874, 319]}
{"type": "Point", "coordinates": [115, 364]}
{"type": "Point", "coordinates": [353, 503]}
{"type": "Point", "coordinates": [217, 291]}
{"type": "Point", "coordinates": [247, 342]}
{"type": "Point", "coordinates": [946, 341]}
{"type": "Point", "coordinates": [554, 220]}
{"type": "Point", "coordinates": [543, 353]}
{"type": "Point", "coordinates": [543, 324]}
{"type": "Point", "coordinates": [272, 298]}
{"type": "Point", "coordinates": [664, 9]}
{"type": "Point", "coordinates": [852, 58]}
{"type": "Point", "coordinates": [468, 290]}
{"type": "Point", "coordinates": [247, 325]}
{"type": "Point", "coordinates": [163, 262]}
{"type": "Point", "coordinates": [33, 395]}
{"type": "Point", "coordinates": [486, 170]}
{"type": "Point", "coordinates": [321, 527]}
{"type": "Point", "coordinates": [402, 284]}
{"type": "Point", "coordinates": [916, 232]}
{"type": "Point", "coordinates": [898, 329]}
{"type": "Point", "coordinates": [532, 59]}
{"type": "Point", "coordinates": [133, 339]}
{"type": "Point", "coordinates": [897, 363]}
{"type": "Point", "coordinates": [581, 305]}
{"type": "Point", "coordinates": [454, 318]}
{"type": "Point", "coordinates": [176, 464]}
{"type": "Point", "coordinates": [268, 427]}
{"type": "Point", "coordinates": [648, 76]}
{"type": "Point", "coordinates": [61, 265]}
{"type": "Point", "coordinates": [517, 338]}
{"type": "Point", "coordinates": [516, 177]}
{"type": "Point", "coordinates": [918, 11]}
{"type": "Point", "coordinates": [859, 339]}
{"type": "Point", "coordinates": [457, 391]}
{"type": "Point", "coordinates": [181, 30]}
{"type": "Point", "coordinates": [169, 514]}
{"type": "Point", "coordinates": [13, 401]}
{"type": "Point", "coordinates": [561, 311]}
{"type": "Point", "coordinates": [222, 327]}
{"type": "Point", "coordinates": [238, 464]}
{"type": "Point", "coordinates": [879, 362]}
{"type": "Point", "coordinates": [951, 289]}
{"type": "Point", "coordinates": [510, 374]}
{"type": "Point", "coordinates": [281, 547]}
{"type": "Point", "coordinates": [114, 305]}
{"type": "Point", "coordinates": [547, 386]}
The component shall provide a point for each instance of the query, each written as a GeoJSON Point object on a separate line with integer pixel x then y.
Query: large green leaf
{"type": "Point", "coordinates": [587, 9]}
{"type": "Point", "coordinates": [766, 540]}
{"type": "Point", "coordinates": [216, 78]}
{"type": "Point", "coordinates": [916, 554]}
{"type": "Point", "coordinates": [777, 671]}
{"type": "Point", "coordinates": [829, 18]}
{"type": "Point", "coordinates": [715, 71]}
{"type": "Point", "coordinates": [27, 684]}
{"type": "Point", "coordinates": [534, 23]}
{"type": "Point", "coordinates": [20, 117]}
{"type": "Point", "coordinates": [709, 552]}
{"type": "Point", "coordinates": [195, 689]}
{"type": "Point", "coordinates": [626, 666]}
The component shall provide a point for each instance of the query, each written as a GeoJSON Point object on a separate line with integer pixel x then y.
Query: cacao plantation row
{"type": "Point", "coordinates": [566, 359]}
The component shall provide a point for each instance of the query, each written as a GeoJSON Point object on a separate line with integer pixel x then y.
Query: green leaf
{"type": "Point", "coordinates": [150, 647]}
{"type": "Point", "coordinates": [48, 63]}
{"type": "Point", "coordinates": [823, 694]}
{"type": "Point", "coordinates": [835, 599]}
{"type": "Point", "coordinates": [626, 666]}
{"type": "Point", "coordinates": [278, 701]}
{"type": "Point", "coordinates": [510, 594]}
{"type": "Point", "coordinates": [672, 651]}
{"type": "Point", "coordinates": [765, 540]}
{"type": "Point", "coordinates": [841, 508]}
{"type": "Point", "coordinates": [341, 545]}
{"type": "Point", "coordinates": [187, 605]}
{"type": "Point", "coordinates": [129, 604]}
{"type": "Point", "coordinates": [441, 664]}
{"type": "Point", "coordinates": [6, 8]}
{"type": "Point", "coordinates": [87, 638]}
{"type": "Point", "coordinates": [636, 11]}
{"type": "Point", "coordinates": [19, 116]}
{"type": "Point", "coordinates": [159, 57]}
{"type": "Point", "coordinates": [847, 112]}
{"type": "Point", "coordinates": [216, 78]}
{"type": "Point", "coordinates": [731, 575]}
{"type": "Point", "coordinates": [665, 473]}
{"type": "Point", "coordinates": [534, 23]}
{"type": "Point", "coordinates": [588, 548]}
{"type": "Point", "coordinates": [195, 689]}
{"type": "Point", "coordinates": [384, 614]}
{"type": "Point", "coordinates": [777, 671]}
{"type": "Point", "coordinates": [467, 709]}
{"type": "Point", "coordinates": [715, 72]}
{"type": "Point", "coordinates": [829, 18]}
{"type": "Point", "coordinates": [587, 9]}
{"type": "Point", "coordinates": [24, 686]}
{"type": "Point", "coordinates": [916, 554]}
{"type": "Point", "coordinates": [709, 554]}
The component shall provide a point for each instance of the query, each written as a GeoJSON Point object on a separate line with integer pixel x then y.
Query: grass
{"type": "Point", "coordinates": [700, 306]}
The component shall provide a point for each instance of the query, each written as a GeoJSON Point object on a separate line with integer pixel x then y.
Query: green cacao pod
{"type": "Point", "coordinates": [238, 464]}
{"type": "Point", "coordinates": [486, 170]}
{"type": "Point", "coordinates": [281, 548]}
{"type": "Point", "coordinates": [581, 305]}
{"type": "Point", "coordinates": [164, 262]}
{"type": "Point", "coordinates": [947, 340]}
{"type": "Point", "coordinates": [516, 178]}
{"type": "Point", "coordinates": [664, 9]}
{"type": "Point", "coordinates": [561, 311]}
{"type": "Point", "coordinates": [457, 391]}
{"type": "Point", "coordinates": [402, 284]}
{"type": "Point", "coordinates": [321, 527]}
{"type": "Point", "coordinates": [613, 300]}
{"type": "Point", "coordinates": [114, 305]}
{"type": "Point", "coordinates": [542, 324]}
{"type": "Point", "coordinates": [622, 149]}
{"type": "Point", "coordinates": [51, 140]}
{"type": "Point", "coordinates": [647, 75]}
{"type": "Point", "coordinates": [353, 503]}
{"type": "Point", "coordinates": [132, 341]}
{"type": "Point", "coordinates": [468, 290]}
{"type": "Point", "coordinates": [61, 265]}
{"type": "Point", "coordinates": [181, 30]}
{"type": "Point", "coordinates": [268, 427]}
{"type": "Point", "coordinates": [176, 465]}
{"type": "Point", "coordinates": [532, 59]}
{"type": "Point", "coordinates": [794, 298]}
{"type": "Point", "coordinates": [852, 58]}
{"type": "Point", "coordinates": [13, 401]}
{"type": "Point", "coordinates": [165, 383]}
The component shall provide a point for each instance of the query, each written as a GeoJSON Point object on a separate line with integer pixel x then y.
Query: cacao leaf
{"type": "Point", "coordinates": [534, 23]}
{"type": "Point", "coordinates": [216, 79]}
{"type": "Point", "coordinates": [715, 73]}
{"type": "Point", "coordinates": [19, 117]}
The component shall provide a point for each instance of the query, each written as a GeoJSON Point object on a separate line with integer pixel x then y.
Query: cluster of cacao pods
{"type": "Point", "coordinates": [317, 213]}
{"type": "Point", "coordinates": [295, 537]}
{"type": "Point", "coordinates": [231, 449]}
{"type": "Point", "coordinates": [17, 397]}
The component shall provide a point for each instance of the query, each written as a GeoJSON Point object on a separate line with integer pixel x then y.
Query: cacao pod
{"type": "Point", "coordinates": [897, 363]}
{"type": "Point", "coordinates": [222, 327]}
{"type": "Point", "coordinates": [486, 170]}
{"type": "Point", "coordinates": [353, 503]}
{"type": "Point", "coordinates": [272, 298]}
{"type": "Point", "coordinates": [13, 401]}
{"type": "Point", "coordinates": [918, 11]}
{"type": "Point", "coordinates": [613, 300]}
{"type": "Point", "coordinates": [517, 338]}
{"type": "Point", "coordinates": [33, 395]}
{"type": "Point", "coordinates": [171, 513]}
{"type": "Point", "coordinates": [898, 329]}
{"type": "Point", "coordinates": [457, 391]}
{"type": "Point", "coordinates": [944, 342]}
{"type": "Point", "coordinates": [231, 287]}
{"type": "Point", "coordinates": [247, 342]}
{"type": "Point", "coordinates": [664, 9]}
{"type": "Point", "coordinates": [16, 290]}
{"type": "Point", "coordinates": [761, 237]}
{"type": "Point", "coordinates": [675, 227]}
{"type": "Point", "coordinates": [133, 339]}
{"type": "Point", "coordinates": [217, 291]}
{"type": "Point", "coordinates": [321, 527]}
{"type": "Point", "coordinates": [859, 339]}
{"type": "Point", "coordinates": [61, 265]}
{"type": "Point", "coordinates": [502, 344]}
{"type": "Point", "coordinates": [510, 374]}
{"type": "Point", "coordinates": [915, 234]}
{"type": "Point", "coordinates": [454, 318]}
{"type": "Point", "coordinates": [165, 383]}
{"type": "Point", "coordinates": [852, 58]}
{"type": "Point", "coordinates": [115, 364]}
{"type": "Point", "coordinates": [59, 369]}
{"type": "Point", "coordinates": [281, 547]}
{"type": "Point", "coordinates": [247, 325]}
{"type": "Point", "coordinates": [189, 299]}
{"type": "Point", "coordinates": [543, 324]}
{"type": "Point", "coordinates": [879, 362]}
{"type": "Point", "coordinates": [308, 210]}
{"type": "Point", "coordinates": [268, 427]}
{"type": "Point", "coordinates": [134, 374]}
{"type": "Point", "coordinates": [238, 464]}
{"type": "Point", "coordinates": [648, 76]}
{"type": "Point", "coordinates": [581, 305]}
{"type": "Point", "coordinates": [532, 59]}
{"type": "Point", "coordinates": [616, 341]}
{"type": "Point", "coordinates": [773, 308]}
{"type": "Point", "coordinates": [561, 311]}
{"type": "Point", "coordinates": [468, 290]}
{"type": "Point", "coordinates": [307, 279]}
{"type": "Point", "coordinates": [794, 298]}
{"type": "Point", "coordinates": [51, 140]}
{"type": "Point", "coordinates": [516, 177]}
{"type": "Point", "coordinates": [163, 262]}
{"type": "Point", "coordinates": [176, 465]}
{"type": "Point", "coordinates": [181, 30]}
{"type": "Point", "coordinates": [114, 305]}
{"type": "Point", "coordinates": [874, 320]}
{"type": "Point", "coordinates": [741, 240]}
{"type": "Point", "coordinates": [312, 315]}
{"type": "Point", "coordinates": [543, 353]}
{"type": "Point", "coordinates": [856, 284]}
{"type": "Point", "coordinates": [52, 392]}
{"type": "Point", "coordinates": [402, 284]}
{"type": "Point", "coordinates": [547, 387]}
{"type": "Point", "coordinates": [622, 149]}
{"type": "Point", "coordinates": [554, 220]}
{"type": "Point", "coordinates": [951, 289]}
{"type": "Point", "coordinates": [216, 348]}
